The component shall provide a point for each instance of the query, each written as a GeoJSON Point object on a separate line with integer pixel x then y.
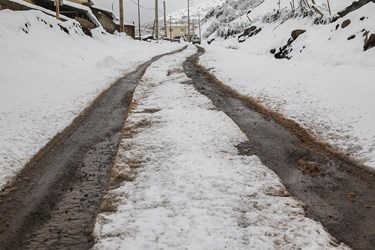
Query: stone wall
{"type": "Point", "coordinates": [130, 30]}
{"type": "Point", "coordinates": [105, 21]}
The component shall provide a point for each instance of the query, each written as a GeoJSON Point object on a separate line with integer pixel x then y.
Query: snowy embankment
{"type": "Point", "coordinates": [180, 183]}
{"type": "Point", "coordinates": [327, 85]}
{"type": "Point", "coordinates": [47, 77]}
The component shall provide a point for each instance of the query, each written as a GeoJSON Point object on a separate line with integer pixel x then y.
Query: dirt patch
{"type": "Point", "coordinates": [174, 71]}
{"type": "Point", "coordinates": [149, 111]}
{"type": "Point", "coordinates": [311, 168]}
{"type": "Point", "coordinates": [109, 203]}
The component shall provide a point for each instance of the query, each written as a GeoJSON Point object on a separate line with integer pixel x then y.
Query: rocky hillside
{"type": "Point", "coordinates": [242, 20]}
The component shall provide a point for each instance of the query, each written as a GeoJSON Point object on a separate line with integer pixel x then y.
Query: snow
{"type": "Point", "coordinates": [48, 77]}
{"type": "Point", "coordinates": [191, 189]}
{"type": "Point", "coordinates": [327, 85]}
{"type": "Point", "coordinates": [196, 10]}
{"type": "Point", "coordinates": [36, 7]}
{"type": "Point", "coordinates": [272, 5]}
{"type": "Point", "coordinates": [90, 15]}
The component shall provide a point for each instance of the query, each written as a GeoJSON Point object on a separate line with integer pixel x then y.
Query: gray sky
{"type": "Point", "coordinates": [147, 13]}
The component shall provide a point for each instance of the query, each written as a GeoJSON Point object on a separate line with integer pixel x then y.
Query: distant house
{"type": "Point", "coordinates": [176, 30]}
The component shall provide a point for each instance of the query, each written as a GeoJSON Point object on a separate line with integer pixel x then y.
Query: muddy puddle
{"type": "Point", "coordinates": [337, 192]}
{"type": "Point", "coordinates": [53, 202]}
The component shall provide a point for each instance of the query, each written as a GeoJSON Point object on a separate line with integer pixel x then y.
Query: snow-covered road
{"type": "Point", "coordinates": [189, 188]}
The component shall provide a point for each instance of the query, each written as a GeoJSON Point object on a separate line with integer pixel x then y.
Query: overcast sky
{"type": "Point", "coordinates": [147, 13]}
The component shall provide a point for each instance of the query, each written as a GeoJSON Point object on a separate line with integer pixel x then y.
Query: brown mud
{"type": "Point", "coordinates": [337, 190]}
{"type": "Point", "coordinates": [54, 200]}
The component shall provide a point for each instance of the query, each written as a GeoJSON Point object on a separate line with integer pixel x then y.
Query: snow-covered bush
{"type": "Point", "coordinates": [229, 12]}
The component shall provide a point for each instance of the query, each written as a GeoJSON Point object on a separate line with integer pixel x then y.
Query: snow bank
{"type": "Point", "coordinates": [48, 77]}
{"type": "Point", "coordinates": [269, 6]}
{"type": "Point", "coordinates": [197, 10]}
{"type": "Point", "coordinates": [191, 190]}
{"type": "Point", "coordinates": [327, 86]}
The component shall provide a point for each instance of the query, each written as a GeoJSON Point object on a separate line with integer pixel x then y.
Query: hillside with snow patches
{"type": "Point", "coordinates": [323, 80]}
{"type": "Point", "coordinates": [314, 68]}
{"type": "Point", "coordinates": [196, 10]}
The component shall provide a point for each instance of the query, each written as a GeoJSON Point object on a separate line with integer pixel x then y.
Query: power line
{"type": "Point", "coordinates": [141, 6]}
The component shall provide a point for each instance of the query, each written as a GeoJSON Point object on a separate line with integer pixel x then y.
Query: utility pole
{"type": "Point", "coordinates": [170, 27]}
{"type": "Point", "coordinates": [329, 8]}
{"type": "Point", "coordinates": [156, 20]}
{"type": "Point", "coordinates": [189, 20]}
{"type": "Point", "coordinates": [199, 24]}
{"type": "Point", "coordinates": [193, 28]}
{"type": "Point", "coordinates": [57, 3]}
{"type": "Point", "coordinates": [139, 22]}
{"type": "Point", "coordinates": [165, 20]}
{"type": "Point", "coordinates": [121, 16]}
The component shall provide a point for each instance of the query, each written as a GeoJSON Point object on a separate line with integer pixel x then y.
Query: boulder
{"type": "Point", "coordinates": [247, 31]}
{"type": "Point", "coordinates": [351, 37]}
{"type": "Point", "coordinates": [242, 39]}
{"type": "Point", "coordinates": [257, 31]}
{"type": "Point", "coordinates": [370, 42]}
{"type": "Point", "coordinates": [345, 23]}
{"type": "Point", "coordinates": [297, 33]}
{"type": "Point", "coordinates": [210, 41]}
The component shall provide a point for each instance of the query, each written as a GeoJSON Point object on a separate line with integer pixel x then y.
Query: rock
{"type": "Point", "coordinates": [242, 39]}
{"type": "Point", "coordinates": [247, 31]}
{"type": "Point", "coordinates": [273, 51]}
{"type": "Point", "coordinates": [210, 41]}
{"type": "Point", "coordinates": [283, 52]}
{"type": "Point", "coordinates": [345, 23]}
{"type": "Point", "coordinates": [337, 26]}
{"type": "Point", "coordinates": [362, 18]}
{"type": "Point", "coordinates": [370, 42]}
{"type": "Point", "coordinates": [296, 33]}
{"type": "Point", "coordinates": [351, 37]}
{"type": "Point", "coordinates": [256, 31]}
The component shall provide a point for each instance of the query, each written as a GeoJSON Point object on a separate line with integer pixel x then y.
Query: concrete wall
{"type": "Point", "coordinates": [105, 21]}
{"type": "Point", "coordinates": [84, 2]}
{"type": "Point", "coordinates": [13, 5]}
{"type": "Point", "coordinates": [130, 30]}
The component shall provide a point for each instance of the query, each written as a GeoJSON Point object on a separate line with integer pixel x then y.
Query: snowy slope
{"type": "Point", "coordinates": [326, 86]}
{"type": "Point", "coordinates": [48, 77]}
{"type": "Point", "coordinates": [199, 9]}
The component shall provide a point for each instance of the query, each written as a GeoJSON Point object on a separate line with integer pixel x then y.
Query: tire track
{"type": "Point", "coordinates": [337, 192]}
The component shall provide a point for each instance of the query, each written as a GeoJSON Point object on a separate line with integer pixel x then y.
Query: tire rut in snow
{"type": "Point", "coordinates": [337, 192]}
{"type": "Point", "coordinates": [53, 202]}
